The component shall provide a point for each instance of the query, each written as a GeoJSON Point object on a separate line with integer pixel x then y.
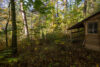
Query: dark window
{"type": "Point", "coordinates": [92, 28]}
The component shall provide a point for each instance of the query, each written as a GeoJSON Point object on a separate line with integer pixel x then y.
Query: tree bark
{"type": "Point", "coordinates": [85, 8]}
{"type": "Point", "coordinates": [24, 19]}
{"type": "Point", "coordinates": [14, 27]}
{"type": "Point", "coordinates": [6, 32]}
{"type": "Point", "coordinates": [65, 5]}
{"type": "Point", "coordinates": [57, 9]}
{"type": "Point", "coordinates": [53, 13]}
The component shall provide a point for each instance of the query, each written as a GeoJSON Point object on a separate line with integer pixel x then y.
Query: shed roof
{"type": "Point", "coordinates": [80, 24]}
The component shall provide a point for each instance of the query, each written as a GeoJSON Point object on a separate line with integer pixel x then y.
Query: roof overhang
{"type": "Point", "coordinates": [81, 24]}
{"type": "Point", "coordinates": [76, 26]}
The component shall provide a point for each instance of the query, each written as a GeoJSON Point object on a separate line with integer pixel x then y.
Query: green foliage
{"type": "Point", "coordinates": [38, 4]}
{"type": "Point", "coordinates": [12, 60]}
{"type": "Point", "coordinates": [41, 7]}
{"type": "Point", "coordinates": [78, 2]}
{"type": "Point", "coordinates": [1, 57]}
{"type": "Point", "coordinates": [50, 65]}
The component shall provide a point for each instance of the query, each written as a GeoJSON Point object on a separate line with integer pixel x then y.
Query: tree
{"type": "Point", "coordinates": [7, 25]}
{"type": "Point", "coordinates": [24, 18]}
{"type": "Point", "coordinates": [14, 27]}
{"type": "Point", "coordinates": [65, 4]}
{"type": "Point", "coordinates": [85, 8]}
{"type": "Point", "coordinates": [57, 8]}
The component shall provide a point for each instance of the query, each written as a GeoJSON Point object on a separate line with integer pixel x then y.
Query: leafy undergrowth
{"type": "Point", "coordinates": [56, 54]}
{"type": "Point", "coordinates": [60, 55]}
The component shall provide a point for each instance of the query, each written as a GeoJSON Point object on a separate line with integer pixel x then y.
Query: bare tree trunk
{"type": "Point", "coordinates": [6, 34]}
{"type": "Point", "coordinates": [85, 8]}
{"type": "Point", "coordinates": [57, 9]}
{"type": "Point", "coordinates": [53, 12]}
{"type": "Point", "coordinates": [65, 5]}
{"type": "Point", "coordinates": [14, 27]}
{"type": "Point", "coordinates": [24, 19]}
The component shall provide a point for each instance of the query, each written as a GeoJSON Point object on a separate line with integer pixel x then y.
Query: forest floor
{"type": "Point", "coordinates": [45, 54]}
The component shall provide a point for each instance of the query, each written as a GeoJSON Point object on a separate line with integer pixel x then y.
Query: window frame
{"type": "Point", "coordinates": [92, 27]}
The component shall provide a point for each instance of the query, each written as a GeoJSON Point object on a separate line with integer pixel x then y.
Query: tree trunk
{"type": "Point", "coordinates": [6, 34]}
{"type": "Point", "coordinates": [57, 9]}
{"type": "Point", "coordinates": [24, 19]}
{"type": "Point", "coordinates": [65, 5]}
{"type": "Point", "coordinates": [85, 8]}
{"type": "Point", "coordinates": [14, 27]}
{"type": "Point", "coordinates": [53, 12]}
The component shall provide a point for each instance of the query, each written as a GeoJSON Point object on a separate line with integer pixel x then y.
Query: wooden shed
{"type": "Point", "coordinates": [91, 28]}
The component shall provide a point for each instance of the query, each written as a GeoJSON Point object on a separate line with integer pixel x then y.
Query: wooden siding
{"type": "Point", "coordinates": [92, 41]}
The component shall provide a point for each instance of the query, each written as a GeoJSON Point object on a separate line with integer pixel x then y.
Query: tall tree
{"type": "Point", "coordinates": [6, 32]}
{"type": "Point", "coordinates": [57, 8]}
{"type": "Point", "coordinates": [24, 18]}
{"type": "Point", "coordinates": [65, 4]}
{"type": "Point", "coordinates": [53, 11]}
{"type": "Point", "coordinates": [85, 8]}
{"type": "Point", "coordinates": [14, 27]}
